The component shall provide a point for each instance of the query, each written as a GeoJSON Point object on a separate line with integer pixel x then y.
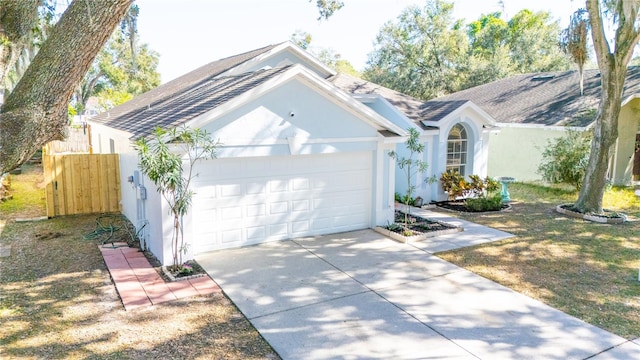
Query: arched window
{"type": "Point", "coordinates": [457, 149]}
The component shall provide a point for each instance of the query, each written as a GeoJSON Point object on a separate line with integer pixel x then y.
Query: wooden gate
{"type": "Point", "coordinates": [81, 183]}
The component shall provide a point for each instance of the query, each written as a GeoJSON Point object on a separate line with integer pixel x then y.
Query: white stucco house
{"type": "Point", "coordinates": [532, 109]}
{"type": "Point", "coordinates": [304, 150]}
{"type": "Point", "coordinates": [455, 133]}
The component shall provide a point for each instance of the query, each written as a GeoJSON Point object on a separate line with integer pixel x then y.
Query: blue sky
{"type": "Point", "coordinates": [190, 33]}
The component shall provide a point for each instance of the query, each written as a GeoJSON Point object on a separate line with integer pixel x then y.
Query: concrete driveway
{"type": "Point", "coordinates": [360, 295]}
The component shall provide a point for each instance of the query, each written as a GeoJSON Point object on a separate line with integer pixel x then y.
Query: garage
{"type": "Point", "coordinates": [243, 201]}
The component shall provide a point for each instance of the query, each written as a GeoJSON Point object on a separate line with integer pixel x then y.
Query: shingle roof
{"type": "Point", "coordinates": [543, 98]}
{"type": "Point", "coordinates": [410, 106]}
{"type": "Point", "coordinates": [415, 109]}
{"type": "Point", "coordinates": [122, 116]}
{"type": "Point", "coordinates": [187, 104]}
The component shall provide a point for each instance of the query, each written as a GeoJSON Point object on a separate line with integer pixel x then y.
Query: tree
{"type": "Point", "coordinates": [533, 43]}
{"type": "Point", "coordinates": [326, 8]}
{"type": "Point", "coordinates": [411, 168]}
{"type": "Point", "coordinates": [122, 69]}
{"type": "Point", "coordinates": [35, 112]}
{"type": "Point", "coordinates": [574, 42]}
{"type": "Point", "coordinates": [328, 56]}
{"type": "Point", "coordinates": [119, 73]}
{"type": "Point", "coordinates": [421, 53]}
{"type": "Point", "coordinates": [613, 59]}
{"type": "Point", "coordinates": [524, 44]}
{"type": "Point", "coordinates": [161, 159]}
{"type": "Point", "coordinates": [301, 38]}
{"type": "Point", "coordinates": [426, 54]}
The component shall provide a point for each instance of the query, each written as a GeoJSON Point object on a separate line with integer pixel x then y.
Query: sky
{"type": "Point", "coordinates": [191, 33]}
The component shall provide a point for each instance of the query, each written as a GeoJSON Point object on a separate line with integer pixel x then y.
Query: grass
{"type": "Point", "coordinates": [57, 300]}
{"type": "Point", "coordinates": [585, 269]}
{"type": "Point", "coordinates": [28, 194]}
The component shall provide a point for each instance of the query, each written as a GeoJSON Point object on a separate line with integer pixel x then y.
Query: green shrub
{"type": "Point", "coordinates": [405, 199]}
{"type": "Point", "coordinates": [484, 203]}
{"type": "Point", "coordinates": [565, 159]}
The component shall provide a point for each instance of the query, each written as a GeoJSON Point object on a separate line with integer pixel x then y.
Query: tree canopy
{"type": "Point", "coordinates": [326, 55]}
{"type": "Point", "coordinates": [420, 54]}
{"type": "Point", "coordinates": [123, 68]}
{"type": "Point", "coordinates": [427, 53]}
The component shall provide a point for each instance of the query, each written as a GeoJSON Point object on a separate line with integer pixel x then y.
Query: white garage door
{"type": "Point", "coordinates": [245, 201]}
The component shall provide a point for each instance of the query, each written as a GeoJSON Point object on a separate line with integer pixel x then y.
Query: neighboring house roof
{"type": "Point", "coordinates": [542, 98]}
{"type": "Point", "coordinates": [183, 84]}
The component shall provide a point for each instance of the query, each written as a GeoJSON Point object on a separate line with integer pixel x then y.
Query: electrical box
{"type": "Point", "coordinates": [141, 193]}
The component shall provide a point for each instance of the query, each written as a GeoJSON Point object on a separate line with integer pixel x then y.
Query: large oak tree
{"type": "Point", "coordinates": [35, 112]}
{"type": "Point", "coordinates": [613, 59]}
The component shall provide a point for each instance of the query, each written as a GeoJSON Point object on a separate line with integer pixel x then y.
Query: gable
{"type": "Point", "coordinates": [284, 54]}
{"type": "Point", "coordinates": [293, 109]}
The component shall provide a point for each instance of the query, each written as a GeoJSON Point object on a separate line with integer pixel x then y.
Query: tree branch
{"type": "Point", "coordinates": [600, 43]}
{"type": "Point", "coordinates": [36, 110]}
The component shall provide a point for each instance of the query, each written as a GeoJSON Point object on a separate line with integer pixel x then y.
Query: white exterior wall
{"type": "Point", "coordinates": [143, 214]}
{"type": "Point", "coordinates": [435, 155]}
{"type": "Point", "coordinates": [628, 127]}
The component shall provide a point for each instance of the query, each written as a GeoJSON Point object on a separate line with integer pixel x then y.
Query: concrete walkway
{"type": "Point", "coordinates": [360, 295]}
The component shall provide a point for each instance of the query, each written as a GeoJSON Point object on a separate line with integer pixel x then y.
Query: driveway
{"type": "Point", "coordinates": [360, 295]}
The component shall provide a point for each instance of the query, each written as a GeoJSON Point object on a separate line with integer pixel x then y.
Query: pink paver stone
{"type": "Point", "coordinates": [182, 289]}
{"type": "Point", "coordinates": [139, 284]}
{"type": "Point", "coordinates": [204, 285]}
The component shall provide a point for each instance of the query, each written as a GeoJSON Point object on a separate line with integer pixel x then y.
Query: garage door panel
{"type": "Point", "coordinates": [280, 207]}
{"type": "Point", "coordinates": [300, 205]}
{"type": "Point", "coordinates": [255, 210]}
{"type": "Point", "coordinates": [256, 188]}
{"type": "Point", "coordinates": [300, 184]}
{"type": "Point", "coordinates": [231, 236]}
{"type": "Point", "coordinates": [256, 233]}
{"type": "Point", "coordinates": [298, 227]}
{"type": "Point", "coordinates": [279, 197]}
{"type": "Point", "coordinates": [278, 230]}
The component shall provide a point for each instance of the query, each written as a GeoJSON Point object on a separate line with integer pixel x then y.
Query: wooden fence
{"type": "Point", "coordinates": [77, 141]}
{"type": "Point", "coordinates": [81, 183]}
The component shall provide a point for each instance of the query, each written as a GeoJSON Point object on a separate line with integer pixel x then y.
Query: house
{"type": "Point", "coordinates": [305, 151]}
{"type": "Point", "coordinates": [299, 157]}
{"type": "Point", "coordinates": [455, 133]}
{"type": "Point", "coordinates": [532, 109]}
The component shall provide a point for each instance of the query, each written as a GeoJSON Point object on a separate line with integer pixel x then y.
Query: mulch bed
{"type": "Point", "coordinates": [459, 206]}
{"type": "Point", "coordinates": [419, 224]}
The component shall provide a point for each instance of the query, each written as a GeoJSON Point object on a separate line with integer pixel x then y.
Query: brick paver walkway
{"type": "Point", "coordinates": [139, 284]}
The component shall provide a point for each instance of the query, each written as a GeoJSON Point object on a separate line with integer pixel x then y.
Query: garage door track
{"type": "Point", "coordinates": [360, 295]}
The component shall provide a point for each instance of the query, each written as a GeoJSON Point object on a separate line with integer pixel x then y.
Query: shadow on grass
{"type": "Point", "coordinates": [57, 301]}
{"type": "Point", "coordinates": [586, 269]}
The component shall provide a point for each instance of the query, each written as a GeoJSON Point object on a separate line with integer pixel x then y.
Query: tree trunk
{"type": "Point", "coordinates": [604, 137]}
{"type": "Point", "coordinates": [36, 110]}
{"type": "Point", "coordinates": [613, 72]}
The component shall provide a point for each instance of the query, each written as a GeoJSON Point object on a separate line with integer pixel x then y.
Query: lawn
{"type": "Point", "coordinates": [57, 300]}
{"type": "Point", "coordinates": [585, 269]}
